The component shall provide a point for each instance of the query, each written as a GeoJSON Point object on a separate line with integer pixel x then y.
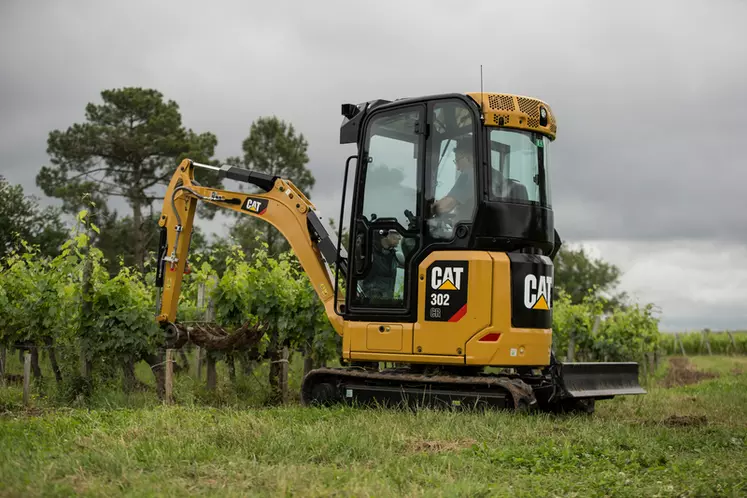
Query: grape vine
{"type": "Point", "coordinates": [42, 303]}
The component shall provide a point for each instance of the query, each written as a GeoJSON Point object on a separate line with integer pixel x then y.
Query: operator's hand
{"type": "Point", "coordinates": [443, 205]}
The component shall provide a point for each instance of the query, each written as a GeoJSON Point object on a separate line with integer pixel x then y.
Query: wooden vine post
{"type": "Point", "coordinates": [169, 377]}
{"type": "Point", "coordinates": [308, 363]}
{"type": "Point", "coordinates": [677, 339]}
{"type": "Point", "coordinates": [652, 361]}
{"type": "Point", "coordinates": [707, 342]}
{"type": "Point", "coordinates": [212, 375]}
{"type": "Point", "coordinates": [212, 379]}
{"type": "Point", "coordinates": [570, 356]}
{"type": "Point", "coordinates": [203, 355]}
{"type": "Point", "coordinates": [284, 376]}
{"type": "Point", "coordinates": [2, 364]}
{"type": "Point", "coordinates": [595, 327]}
{"type": "Point", "coordinates": [201, 293]}
{"type": "Point", "coordinates": [26, 378]}
{"type": "Point", "coordinates": [733, 342]}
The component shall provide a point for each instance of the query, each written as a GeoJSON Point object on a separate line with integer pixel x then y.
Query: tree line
{"type": "Point", "coordinates": [128, 147]}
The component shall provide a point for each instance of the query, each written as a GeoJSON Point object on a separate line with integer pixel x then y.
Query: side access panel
{"type": "Point", "coordinates": [520, 332]}
{"type": "Point", "coordinates": [378, 337]}
{"type": "Point", "coordinates": [385, 337]}
{"type": "Point", "coordinates": [454, 301]}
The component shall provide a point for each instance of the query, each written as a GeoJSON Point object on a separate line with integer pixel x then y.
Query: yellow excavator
{"type": "Point", "coordinates": [448, 273]}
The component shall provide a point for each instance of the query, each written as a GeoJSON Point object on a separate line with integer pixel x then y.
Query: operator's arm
{"type": "Point", "coordinates": [461, 190]}
{"type": "Point", "coordinates": [282, 204]}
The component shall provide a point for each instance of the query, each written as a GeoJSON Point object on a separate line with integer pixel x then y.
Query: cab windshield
{"type": "Point", "coordinates": [519, 166]}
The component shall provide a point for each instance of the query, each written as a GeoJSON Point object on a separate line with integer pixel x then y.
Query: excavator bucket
{"type": "Point", "coordinates": [600, 380]}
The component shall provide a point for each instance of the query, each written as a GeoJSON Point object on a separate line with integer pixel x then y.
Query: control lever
{"type": "Point", "coordinates": [412, 219]}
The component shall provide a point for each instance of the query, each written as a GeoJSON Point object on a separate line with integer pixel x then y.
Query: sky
{"type": "Point", "coordinates": [648, 166]}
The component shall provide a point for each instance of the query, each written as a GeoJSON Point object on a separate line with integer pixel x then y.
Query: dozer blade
{"type": "Point", "coordinates": [600, 380]}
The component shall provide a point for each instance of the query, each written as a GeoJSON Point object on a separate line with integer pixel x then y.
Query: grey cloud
{"type": "Point", "coordinates": [649, 96]}
{"type": "Point", "coordinates": [648, 105]}
{"type": "Point", "coordinates": [695, 284]}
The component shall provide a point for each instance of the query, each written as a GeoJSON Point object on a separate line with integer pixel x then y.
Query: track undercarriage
{"type": "Point", "coordinates": [561, 387]}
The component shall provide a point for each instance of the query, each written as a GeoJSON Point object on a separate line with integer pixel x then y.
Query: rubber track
{"type": "Point", "coordinates": [520, 392]}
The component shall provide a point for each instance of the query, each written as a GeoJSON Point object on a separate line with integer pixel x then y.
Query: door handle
{"type": "Point", "coordinates": [360, 255]}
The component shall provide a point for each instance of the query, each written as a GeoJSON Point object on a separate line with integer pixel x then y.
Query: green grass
{"type": "Point", "coordinates": [628, 448]}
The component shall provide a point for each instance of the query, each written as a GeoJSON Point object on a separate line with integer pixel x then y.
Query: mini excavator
{"type": "Point", "coordinates": [444, 295]}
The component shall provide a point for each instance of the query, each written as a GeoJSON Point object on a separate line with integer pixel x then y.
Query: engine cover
{"type": "Point", "coordinates": [531, 290]}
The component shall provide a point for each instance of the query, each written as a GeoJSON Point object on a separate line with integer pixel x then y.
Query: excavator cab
{"type": "Point", "coordinates": [461, 192]}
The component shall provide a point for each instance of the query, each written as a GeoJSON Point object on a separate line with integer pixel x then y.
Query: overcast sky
{"type": "Point", "coordinates": [651, 99]}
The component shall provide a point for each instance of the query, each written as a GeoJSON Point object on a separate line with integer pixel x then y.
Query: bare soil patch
{"type": "Point", "coordinates": [685, 420]}
{"type": "Point", "coordinates": [422, 446]}
{"type": "Point", "coordinates": [682, 372]}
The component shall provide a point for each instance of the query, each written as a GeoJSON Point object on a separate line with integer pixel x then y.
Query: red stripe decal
{"type": "Point", "coordinates": [459, 314]}
{"type": "Point", "coordinates": [263, 211]}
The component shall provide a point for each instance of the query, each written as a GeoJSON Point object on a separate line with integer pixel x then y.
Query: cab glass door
{"type": "Point", "coordinates": [386, 231]}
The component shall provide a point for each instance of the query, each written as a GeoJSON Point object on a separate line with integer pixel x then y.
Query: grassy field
{"type": "Point", "coordinates": [676, 441]}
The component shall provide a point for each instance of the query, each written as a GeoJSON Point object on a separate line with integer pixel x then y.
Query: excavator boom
{"type": "Point", "coordinates": [281, 204]}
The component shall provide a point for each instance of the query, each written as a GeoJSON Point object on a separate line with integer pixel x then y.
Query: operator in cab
{"type": "Point", "coordinates": [380, 281]}
{"type": "Point", "coordinates": [460, 201]}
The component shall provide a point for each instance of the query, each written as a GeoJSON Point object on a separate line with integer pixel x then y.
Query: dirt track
{"type": "Point", "coordinates": [682, 372]}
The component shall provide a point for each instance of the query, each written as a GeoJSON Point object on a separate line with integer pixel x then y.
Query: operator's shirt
{"type": "Point", "coordinates": [463, 192]}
